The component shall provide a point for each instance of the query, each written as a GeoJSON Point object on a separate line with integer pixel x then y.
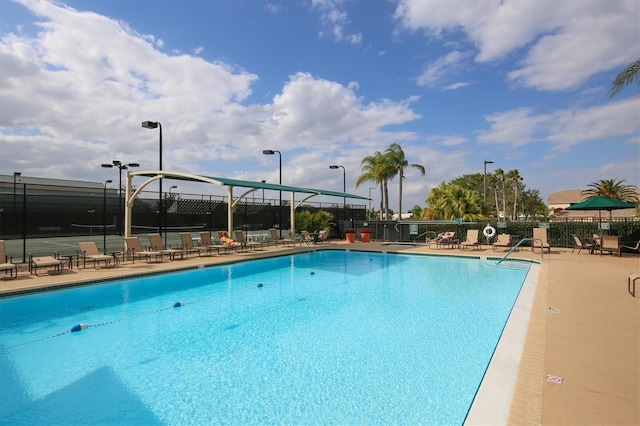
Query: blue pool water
{"type": "Point", "coordinates": [329, 338]}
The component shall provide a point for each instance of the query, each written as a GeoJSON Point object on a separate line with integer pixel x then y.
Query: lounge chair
{"type": "Point", "coordinates": [323, 237]}
{"type": "Point", "coordinates": [502, 240]}
{"type": "Point", "coordinates": [472, 239]}
{"type": "Point", "coordinates": [229, 242]}
{"type": "Point", "coordinates": [611, 244]}
{"type": "Point", "coordinates": [249, 244]}
{"type": "Point", "coordinates": [540, 240]}
{"type": "Point", "coordinates": [88, 251]}
{"type": "Point", "coordinates": [190, 247]}
{"type": "Point", "coordinates": [307, 238]}
{"type": "Point", "coordinates": [273, 233]}
{"type": "Point", "coordinates": [45, 262]}
{"type": "Point", "coordinates": [205, 239]}
{"type": "Point", "coordinates": [445, 239]}
{"type": "Point", "coordinates": [637, 247]}
{"type": "Point", "coordinates": [581, 245]}
{"type": "Point", "coordinates": [157, 245]}
{"type": "Point", "coordinates": [7, 264]}
{"type": "Point", "coordinates": [135, 250]}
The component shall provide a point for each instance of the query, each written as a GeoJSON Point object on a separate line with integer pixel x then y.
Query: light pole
{"type": "Point", "coordinates": [271, 152]}
{"type": "Point", "coordinates": [15, 176]}
{"type": "Point", "coordinates": [344, 189]}
{"type": "Point", "coordinates": [104, 217]}
{"type": "Point", "coordinates": [370, 202]}
{"type": "Point", "coordinates": [485, 182]}
{"type": "Point", "coordinates": [153, 125]}
{"type": "Point", "coordinates": [121, 167]}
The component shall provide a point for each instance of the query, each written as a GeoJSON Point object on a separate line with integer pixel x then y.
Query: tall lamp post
{"type": "Point", "coordinates": [104, 216]}
{"type": "Point", "coordinates": [15, 176]}
{"type": "Point", "coordinates": [121, 167]}
{"type": "Point", "coordinates": [370, 202]}
{"type": "Point", "coordinates": [344, 189]}
{"type": "Point", "coordinates": [153, 125]}
{"type": "Point", "coordinates": [485, 182]}
{"type": "Point", "coordinates": [271, 152]}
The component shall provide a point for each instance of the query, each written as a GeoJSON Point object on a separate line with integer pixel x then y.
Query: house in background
{"type": "Point", "coordinates": [559, 201]}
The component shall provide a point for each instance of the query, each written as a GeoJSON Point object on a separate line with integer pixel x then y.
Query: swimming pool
{"type": "Point", "coordinates": [325, 337]}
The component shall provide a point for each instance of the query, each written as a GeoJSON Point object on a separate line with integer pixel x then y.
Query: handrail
{"type": "Point", "coordinates": [425, 233]}
{"type": "Point", "coordinates": [519, 244]}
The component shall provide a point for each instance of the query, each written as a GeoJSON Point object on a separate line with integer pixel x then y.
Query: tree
{"type": "Point", "coordinates": [398, 163]}
{"type": "Point", "coordinates": [625, 78]}
{"type": "Point", "coordinates": [416, 212]}
{"type": "Point", "coordinates": [450, 202]}
{"type": "Point", "coordinates": [612, 189]}
{"type": "Point", "coordinates": [376, 168]}
{"type": "Point", "coordinates": [514, 176]}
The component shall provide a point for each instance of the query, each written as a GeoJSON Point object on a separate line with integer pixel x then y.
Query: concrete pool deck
{"type": "Point", "coordinates": [581, 358]}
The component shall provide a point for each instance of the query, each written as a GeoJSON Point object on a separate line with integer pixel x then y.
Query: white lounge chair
{"type": "Point", "coordinates": [5, 263]}
{"type": "Point", "coordinates": [88, 251]}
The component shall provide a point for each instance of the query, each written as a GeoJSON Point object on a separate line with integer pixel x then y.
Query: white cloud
{"type": "Point", "coordinates": [335, 21]}
{"type": "Point", "coordinates": [443, 68]}
{"type": "Point", "coordinates": [564, 42]}
{"type": "Point", "coordinates": [563, 128]}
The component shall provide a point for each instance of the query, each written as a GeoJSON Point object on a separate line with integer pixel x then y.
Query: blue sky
{"type": "Point", "coordinates": [521, 83]}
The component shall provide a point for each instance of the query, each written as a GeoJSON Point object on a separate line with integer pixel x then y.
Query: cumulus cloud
{"type": "Point", "coordinates": [563, 42]}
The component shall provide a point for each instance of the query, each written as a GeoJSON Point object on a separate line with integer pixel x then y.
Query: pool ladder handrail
{"type": "Point", "coordinates": [427, 239]}
{"type": "Point", "coordinates": [519, 244]}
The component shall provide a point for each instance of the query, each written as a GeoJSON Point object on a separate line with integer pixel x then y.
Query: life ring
{"type": "Point", "coordinates": [489, 231]}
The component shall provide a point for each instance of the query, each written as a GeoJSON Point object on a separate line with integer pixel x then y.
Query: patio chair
{"type": "Point", "coordinates": [446, 239]}
{"type": "Point", "coordinates": [190, 247]}
{"type": "Point", "coordinates": [637, 247]}
{"type": "Point", "coordinates": [273, 233]}
{"type": "Point", "coordinates": [255, 245]}
{"type": "Point", "coordinates": [611, 244]}
{"type": "Point", "coordinates": [472, 239]}
{"type": "Point", "coordinates": [135, 250]}
{"type": "Point", "coordinates": [502, 240]}
{"type": "Point", "coordinates": [307, 238]}
{"type": "Point", "coordinates": [205, 239]}
{"type": "Point", "coordinates": [323, 237]}
{"type": "Point", "coordinates": [52, 262]}
{"type": "Point", "coordinates": [157, 245]}
{"type": "Point", "coordinates": [540, 240]}
{"type": "Point", "coordinates": [229, 242]}
{"type": "Point", "coordinates": [88, 251]}
{"type": "Point", "coordinates": [581, 245]}
{"type": "Point", "coordinates": [7, 264]}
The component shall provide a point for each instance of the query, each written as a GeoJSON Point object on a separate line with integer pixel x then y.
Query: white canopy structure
{"type": "Point", "coordinates": [154, 175]}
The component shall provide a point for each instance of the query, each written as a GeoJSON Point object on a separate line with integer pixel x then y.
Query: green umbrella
{"type": "Point", "coordinates": [600, 203]}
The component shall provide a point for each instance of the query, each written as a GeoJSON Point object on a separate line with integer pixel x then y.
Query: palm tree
{"type": "Point", "coordinates": [450, 202]}
{"type": "Point", "coordinates": [612, 189]}
{"type": "Point", "coordinates": [398, 162]}
{"type": "Point", "coordinates": [514, 175]}
{"type": "Point", "coordinates": [625, 78]}
{"type": "Point", "coordinates": [375, 168]}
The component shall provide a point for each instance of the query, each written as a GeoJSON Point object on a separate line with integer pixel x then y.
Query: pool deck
{"type": "Point", "coordinates": [581, 357]}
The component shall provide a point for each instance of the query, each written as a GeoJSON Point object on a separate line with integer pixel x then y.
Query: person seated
{"type": "Point", "coordinates": [224, 239]}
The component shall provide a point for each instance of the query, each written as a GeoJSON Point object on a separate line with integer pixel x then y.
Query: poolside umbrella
{"type": "Point", "coordinates": [600, 202]}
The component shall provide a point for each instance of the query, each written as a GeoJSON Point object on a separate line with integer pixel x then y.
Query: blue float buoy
{"type": "Point", "coordinates": [178, 304]}
{"type": "Point", "coordinates": [79, 327]}
{"type": "Point", "coordinates": [371, 259]}
{"type": "Point", "coordinates": [260, 285]}
{"type": "Point", "coordinates": [313, 273]}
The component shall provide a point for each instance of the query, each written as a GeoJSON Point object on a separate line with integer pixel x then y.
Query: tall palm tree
{"type": "Point", "coordinates": [398, 162]}
{"type": "Point", "coordinates": [514, 176]}
{"type": "Point", "coordinates": [612, 189]}
{"type": "Point", "coordinates": [376, 169]}
{"type": "Point", "coordinates": [625, 78]}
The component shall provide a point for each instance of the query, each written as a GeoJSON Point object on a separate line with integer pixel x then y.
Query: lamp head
{"type": "Point", "coordinates": [107, 181]}
{"type": "Point", "coordinates": [268, 152]}
{"type": "Point", "coordinates": [107, 165]}
{"type": "Point", "coordinates": [173, 187]}
{"type": "Point", "coordinates": [333, 166]}
{"type": "Point", "coordinates": [16, 174]}
{"type": "Point", "coordinates": [149, 124]}
{"type": "Point", "coordinates": [488, 162]}
{"type": "Point", "coordinates": [133, 165]}
{"type": "Point", "coordinates": [117, 163]}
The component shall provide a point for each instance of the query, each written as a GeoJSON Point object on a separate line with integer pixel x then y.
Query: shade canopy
{"type": "Point", "coordinates": [600, 202]}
